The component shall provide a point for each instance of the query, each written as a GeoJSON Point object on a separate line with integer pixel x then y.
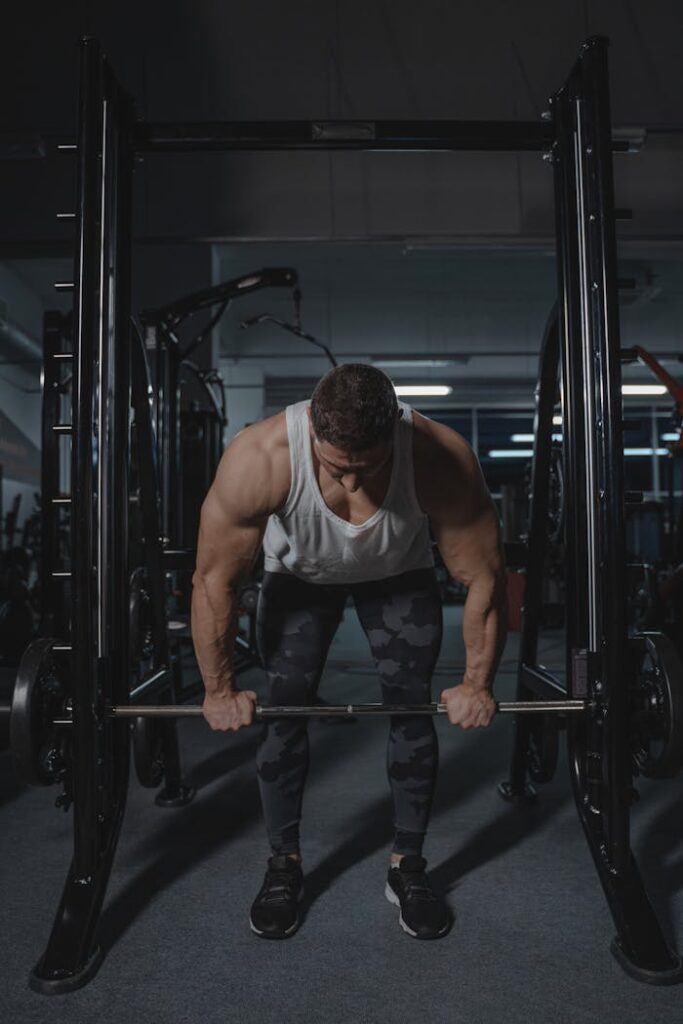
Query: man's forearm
{"type": "Point", "coordinates": [214, 628]}
{"type": "Point", "coordinates": [484, 628]}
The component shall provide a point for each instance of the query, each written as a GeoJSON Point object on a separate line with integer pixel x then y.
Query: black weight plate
{"type": "Point", "coordinates": [657, 706]}
{"type": "Point", "coordinates": [140, 625]}
{"type": "Point", "coordinates": [544, 748]}
{"type": "Point", "coordinates": [556, 501]}
{"type": "Point", "coordinates": [248, 598]}
{"type": "Point", "coordinates": [38, 699]}
{"type": "Point", "coordinates": [148, 751]}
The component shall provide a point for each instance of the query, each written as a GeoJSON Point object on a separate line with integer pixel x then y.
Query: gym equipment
{"type": "Point", "coordinates": [189, 430]}
{"type": "Point", "coordinates": [140, 638]}
{"type": "Point", "coordinates": [148, 750]}
{"type": "Point", "coordinates": [643, 604]}
{"type": "Point", "coordinates": [582, 337]}
{"type": "Point", "coordinates": [41, 710]}
{"type": "Point", "coordinates": [657, 707]}
{"type": "Point", "coordinates": [556, 501]}
{"type": "Point", "coordinates": [577, 138]}
{"type": "Point", "coordinates": [247, 598]}
{"type": "Point", "coordinates": [544, 749]}
{"type": "Point", "coordinates": [293, 328]}
{"type": "Point", "coordinates": [38, 745]}
{"type": "Point", "coordinates": [344, 710]}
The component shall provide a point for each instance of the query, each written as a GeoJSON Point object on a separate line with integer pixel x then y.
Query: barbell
{"type": "Point", "coordinates": [262, 712]}
{"type": "Point", "coordinates": [40, 714]}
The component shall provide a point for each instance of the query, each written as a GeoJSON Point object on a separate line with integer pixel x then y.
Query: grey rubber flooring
{"type": "Point", "coordinates": [531, 939]}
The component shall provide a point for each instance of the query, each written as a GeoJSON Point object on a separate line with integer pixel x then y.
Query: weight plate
{"type": "Point", "coordinates": [248, 598]}
{"type": "Point", "coordinates": [148, 751]}
{"type": "Point", "coordinates": [556, 496]}
{"type": "Point", "coordinates": [642, 596]}
{"type": "Point", "coordinates": [37, 744]}
{"type": "Point", "coordinates": [544, 747]}
{"type": "Point", "coordinates": [657, 707]}
{"type": "Point", "coordinates": [141, 644]}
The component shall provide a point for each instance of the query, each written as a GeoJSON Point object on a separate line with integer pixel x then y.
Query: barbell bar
{"type": "Point", "coordinates": [262, 712]}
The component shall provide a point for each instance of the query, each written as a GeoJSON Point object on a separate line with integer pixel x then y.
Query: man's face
{"type": "Point", "coordinates": [352, 469]}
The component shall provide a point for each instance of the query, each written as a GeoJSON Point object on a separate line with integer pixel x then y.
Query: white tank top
{"type": "Point", "coordinates": [307, 539]}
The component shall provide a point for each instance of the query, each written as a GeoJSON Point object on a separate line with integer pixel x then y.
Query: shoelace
{"type": "Point", "coordinates": [278, 888]}
{"type": "Point", "coordinates": [419, 889]}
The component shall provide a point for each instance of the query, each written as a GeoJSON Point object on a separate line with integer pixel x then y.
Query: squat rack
{"type": "Point", "coordinates": [577, 135]}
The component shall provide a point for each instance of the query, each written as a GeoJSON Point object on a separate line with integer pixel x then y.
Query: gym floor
{"type": "Point", "coordinates": [531, 939]}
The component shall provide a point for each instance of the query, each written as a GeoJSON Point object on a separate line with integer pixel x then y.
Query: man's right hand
{"type": "Point", "coordinates": [229, 711]}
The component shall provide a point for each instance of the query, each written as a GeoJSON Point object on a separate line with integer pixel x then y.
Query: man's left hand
{"type": "Point", "coordinates": [470, 707]}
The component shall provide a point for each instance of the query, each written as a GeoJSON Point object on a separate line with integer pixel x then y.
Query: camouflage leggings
{"type": "Point", "coordinates": [401, 617]}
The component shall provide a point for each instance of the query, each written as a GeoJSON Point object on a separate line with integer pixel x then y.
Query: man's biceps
{"type": "Point", "coordinates": [235, 546]}
{"type": "Point", "coordinates": [221, 532]}
{"type": "Point", "coordinates": [222, 512]}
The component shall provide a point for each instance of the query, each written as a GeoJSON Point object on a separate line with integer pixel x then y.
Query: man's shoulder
{"type": "Point", "coordinates": [264, 439]}
{"type": "Point", "coordinates": [255, 465]}
{"type": "Point", "coordinates": [434, 441]}
{"type": "Point", "coordinates": [447, 471]}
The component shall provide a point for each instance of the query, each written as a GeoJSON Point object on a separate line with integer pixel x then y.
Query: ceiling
{"type": "Point", "coordinates": [328, 59]}
{"type": "Point", "coordinates": [396, 252]}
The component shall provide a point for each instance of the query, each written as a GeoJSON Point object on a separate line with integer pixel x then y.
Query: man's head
{"type": "Point", "coordinates": [353, 412]}
{"type": "Point", "coordinates": [354, 407]}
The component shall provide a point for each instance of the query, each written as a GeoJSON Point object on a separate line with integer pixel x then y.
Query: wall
{"type": "Point", "coordinates": [20, 398]}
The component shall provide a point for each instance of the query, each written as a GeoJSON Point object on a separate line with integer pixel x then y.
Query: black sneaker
{"type": "Point", "coordinates": [275, 911]}
{"type": "Point", "coordinates": [422, 915]}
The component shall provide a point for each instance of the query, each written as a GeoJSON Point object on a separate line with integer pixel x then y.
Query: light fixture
{"type": "Point", "coordinates": [412, 363]}
{"type": "Point", "coordinates": [422, 390]}
{"type": "Point", "coordinates": [646, 451]}
{"type": "Point", "coordinates": [510, 453]}
{"type": "Point", "coordinates": [557, 421]}
{"type": "Point", "coordinates": [528, 438]}
{"type": "Point", "coordinates": [634, 138]}
{"type": "Point", "coordinates": [643, 389]}
{"type": "Point", "coordinates": [418, 358]}
{"type": "Point", "coordinates": [669, 437]}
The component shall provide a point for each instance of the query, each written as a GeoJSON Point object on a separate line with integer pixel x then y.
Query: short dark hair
{"type": "Point", "coordinates": [354, 407]}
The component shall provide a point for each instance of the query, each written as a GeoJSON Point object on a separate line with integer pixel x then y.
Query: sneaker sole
{"type": "Point", "coordinates": [393, 898]}
{"type": "Point", "coordinates": [286, 934]}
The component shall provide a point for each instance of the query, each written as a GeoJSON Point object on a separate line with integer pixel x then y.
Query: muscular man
{"type": "Point", "coordinates": [342, 491]}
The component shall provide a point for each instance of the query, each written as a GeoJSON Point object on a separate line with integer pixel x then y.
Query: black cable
{"type": "Point", "coordinates": [209, 327]}
{"type": "Point", "coordinates": [292, 328]}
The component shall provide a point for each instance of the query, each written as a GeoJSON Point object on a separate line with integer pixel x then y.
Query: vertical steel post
{"type": "Point", "coordinates": [99, 495]}
{"type": "Point", "coordinates": [597, 643]}
{"type": "Point", "coordinates": [83, 481]}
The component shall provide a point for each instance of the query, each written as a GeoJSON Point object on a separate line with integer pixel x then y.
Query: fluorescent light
{"type": "Point", "coordinates": [629, 389]}
{"type": "Point", "coordinates": [510, 453]}
{"type": "Point", "coordinates": [646, 451]}
{"type": "Point", "coordinates": [422, 390]}
{"type": "Point", "coordinates": [528, 438]}
{"type": "Point", "coordinates": [669, 437]}
{"type": "Point", "coordinates": [643, 389]}
{"type": "Point", "coordinates": [527, 453]}
{"type": "Point", "coordinates": [411, 363]}
{"type": "Point", "coordinates": [557, 421]}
